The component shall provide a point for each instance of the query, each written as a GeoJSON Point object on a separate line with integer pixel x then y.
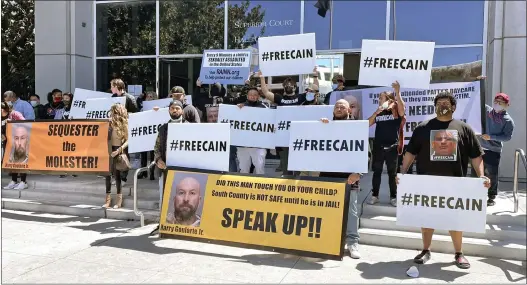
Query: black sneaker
{"type": "Point", "coordinates": [461, 261]}
{"type": "Point", "coordinates": [490, 202]}
{"type": "Point", "coordinates": [423, 257]}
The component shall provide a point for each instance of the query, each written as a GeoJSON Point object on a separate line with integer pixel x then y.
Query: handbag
{"type": "Point", "coordinates": [122, 163]}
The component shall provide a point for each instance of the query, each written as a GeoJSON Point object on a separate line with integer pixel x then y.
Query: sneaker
{"type": "Point", "coordinates": [490, 202]}
{"type": "Point", "coordinates": [373, 200]}
{"type": "Point", "coordinates": [423, 257]}
{"type": "Point", "coordinates": [21, 186]}
{"type": "Point", "coordinates": [393, 202]}
{"type": "Point", "coordinates": [155, 231]}
{"type": "Point", "coordinates": [461, 261]}
{"type": "Point", "coordinates": [12, 185]}
{"type": "Point", "coordinates": [354, 251]}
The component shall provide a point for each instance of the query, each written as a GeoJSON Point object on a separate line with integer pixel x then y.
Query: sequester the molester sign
{"type": "Point", "coordinates": [72, 146]}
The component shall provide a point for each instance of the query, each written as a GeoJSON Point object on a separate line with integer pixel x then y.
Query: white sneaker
{"type": "Point", "coordinates": [393, 202]}
{"type": "Point", "coordinates": [354, 251]}
{"type": "Point", "coordinates": [21, 186]}
{"type": "Point", "coordinates": [12, 185]}
{"type": "Point", "coordinates": [373, 200]}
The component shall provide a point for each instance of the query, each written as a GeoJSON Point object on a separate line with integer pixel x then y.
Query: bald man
{"type": "Point", "coordinates": [186, 203]}
{"type": "Point", "coordinates": [20, 152]}
{"type": "Point", "coordinates": [341, 112]}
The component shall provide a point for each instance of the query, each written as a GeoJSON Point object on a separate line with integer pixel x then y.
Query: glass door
{"type": "Point", "coordinates": [178, 72]}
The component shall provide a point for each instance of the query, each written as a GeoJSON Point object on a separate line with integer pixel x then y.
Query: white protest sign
{"type": "Point", "coordinates": [420, 104]}
{"type": "Point", "coordinates": [202, 146]}
{"type": "Point", "coordinates": [161, 103]}
{"type": "Point", "coordinates": [286, 55]}
{"type": "Point", "coordinates": [188, 99]}
{"type": "Point", "coordinates": [250, 127]}
{"type": "Point", "coordinates": [287, 114]}
{"type": "Point", "coordinates": [78, 106]}
{"type": "Point", "coordinates": [446, 203]}
{"type": "Point", "coordinates": [338, 146]}
{"type": "Point", "coordinates": [383, 62]}
{"type": "Point", "coordinates": [97, 109]}
{"type": "Point", "coordinates": [143, 128]}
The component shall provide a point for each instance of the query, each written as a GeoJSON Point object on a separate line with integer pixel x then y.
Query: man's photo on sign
{"type": "Point", "coordinates": [443, 145]}
{"type": "Point", "coordinates": [354, 98]}
{"type": "Point", "coordinates": [20, 137]}
{"type": "Point", "coordinates": [212, 114]}
{"type": "Point", "coordinates": [186, 199]}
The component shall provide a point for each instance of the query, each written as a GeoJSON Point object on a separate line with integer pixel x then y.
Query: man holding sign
{"type": "Point", "coordinates": [438, 134]}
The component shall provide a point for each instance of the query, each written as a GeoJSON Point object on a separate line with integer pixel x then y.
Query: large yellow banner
{"type": "Point", "coordinates": [286, 215]}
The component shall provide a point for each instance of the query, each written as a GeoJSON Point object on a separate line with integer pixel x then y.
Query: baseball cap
{"type": "Point", "coordinates": [503, 97]}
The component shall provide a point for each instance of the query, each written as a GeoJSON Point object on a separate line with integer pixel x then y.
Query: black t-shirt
{"type": "Point", "coordinates": [444, 148]}
{"type": "Point", "coordinates": [293, 100]}
{"type": "Point", "coordinates": [387, 128]}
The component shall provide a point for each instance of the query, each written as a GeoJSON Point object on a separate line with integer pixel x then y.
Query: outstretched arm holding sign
{"type": "Point", "coordinates": [268, 94]}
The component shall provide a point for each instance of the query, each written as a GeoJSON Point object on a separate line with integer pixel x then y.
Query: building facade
{"type": "Point", "coordinates": [154, 45]}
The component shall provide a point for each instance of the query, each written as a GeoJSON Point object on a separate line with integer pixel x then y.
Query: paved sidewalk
{"type": "Point", "coordinates": [47, 248]}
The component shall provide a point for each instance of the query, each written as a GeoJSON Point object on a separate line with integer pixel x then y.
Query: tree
{"type": "Point", "coordinates": [186, 27]}
{"type": "Point", "coordinates": [18, 46]}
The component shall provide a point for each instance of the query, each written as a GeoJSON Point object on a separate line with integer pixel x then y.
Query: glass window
{"type": "Point", "coordinates": [354, 21]}
{"type": "Point", "coordinates": [189, 27]}
{"type": "Point", "coordinates": [131, 71]}
{"type": "Point", "coordinates": [444, 22]}
{"type": "Point", "coordinates": [314, 23]}
{"type": "Point", "coordinates": [249, 20]}
{"type": "Point", "coordinates": [457, 64]}
{"type": "Point", "coordinates": [126, 28]}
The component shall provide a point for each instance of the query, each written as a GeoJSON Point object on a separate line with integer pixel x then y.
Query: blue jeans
{"type": "Point", "coordinates": [491, 161]}
{"type": "Point", "coordinates": [352, 227]}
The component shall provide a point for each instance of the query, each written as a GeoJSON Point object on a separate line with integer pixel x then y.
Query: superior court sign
{"type": "Point", "coordinates": [70, 146]}
{"type": "Point", "coordinates": [304, 217]}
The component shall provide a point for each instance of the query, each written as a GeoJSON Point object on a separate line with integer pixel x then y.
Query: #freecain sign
{"type": "Point", "coordinates": [303, 217]}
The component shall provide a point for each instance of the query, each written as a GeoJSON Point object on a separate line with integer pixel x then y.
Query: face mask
{"type": "Point", "coordinates": [57, 99]}
{"type": "Point", "coordinates": [443, 110]}
{"type": "Point", "coordinates": [334, 86]}
{"type": "Point", "coordinates": [385, 105]}
{"type": "Point", "coordinates": [33, 103]}
{"type": "Point", "coordinates": [10, 104]}
{"type": "Point", "coordinates": [310, 96]}
{"type": "Point", "coordinates": [498, 108]}
{"type": "Point", "coordinates": [67, 103]}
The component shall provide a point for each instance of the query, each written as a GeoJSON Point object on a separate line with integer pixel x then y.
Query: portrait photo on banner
{"type": "Point", "coordinates": [21, 138]}
{"type": "Point", "coordinates": [187, 195]}
{"type": "Point", "coordinates": [354, 98]}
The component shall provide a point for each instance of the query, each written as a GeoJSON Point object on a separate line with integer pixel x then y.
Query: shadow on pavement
{"type": "Point", "coordinates": [397, 270]}
{"type": "Point", "coordinates": [508, 267]}
{"type": "Point", "coordinates": [145, 244]}
{"type": "Point", "coordinates": [91, 222]}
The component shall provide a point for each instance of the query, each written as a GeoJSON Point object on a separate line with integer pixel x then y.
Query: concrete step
{"type": "Point", "coordinates": [80, 197]}
{"type": "Point", "coordinates": [495, 215]}
{"type": "Point", "coordinates": [77, 209]}
{"type": "Point", "coordinates": [513, 233]}
{"type": "Point", "coordinates": [442, 243]}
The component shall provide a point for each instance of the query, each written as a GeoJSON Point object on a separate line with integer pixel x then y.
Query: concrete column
{"type": "Point", "coordinates": [63, 46]}
{"type": "Point", "coordinates": [506, 71]}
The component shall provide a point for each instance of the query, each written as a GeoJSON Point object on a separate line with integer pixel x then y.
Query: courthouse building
{"type": "Point", "coordinates": [154, 45]}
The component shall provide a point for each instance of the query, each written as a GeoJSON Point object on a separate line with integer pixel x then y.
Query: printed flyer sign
{"type": "Point", "coordinates": [225, 66]}
{"type": "Point", "coordinates": [275, 213]}
{"type": "Point", "coordinates": [58, 146]}
{"type": "Point", "coordinates": [420, 103]}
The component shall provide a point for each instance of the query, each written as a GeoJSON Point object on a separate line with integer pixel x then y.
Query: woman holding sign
{"type": "Point", "coordinates": [119, 142]}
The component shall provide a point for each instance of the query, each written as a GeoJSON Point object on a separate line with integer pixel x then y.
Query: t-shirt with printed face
{"type": "Point", "coordinates": [387, 128]}
{"type": "Point", "coordinates": [444, 148]}
{"type": "Point", "coordinates": [293, 100]}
